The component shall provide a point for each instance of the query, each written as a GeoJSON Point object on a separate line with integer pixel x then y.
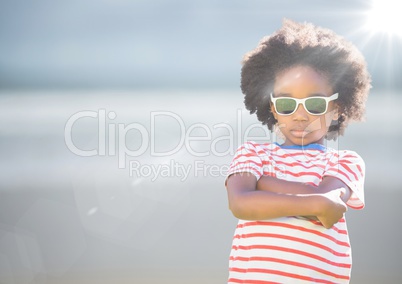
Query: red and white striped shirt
{"type": "Point", "coordinates": [294, 249]}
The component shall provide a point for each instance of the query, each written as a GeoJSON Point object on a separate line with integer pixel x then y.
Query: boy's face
{"type": "Point", "coordinates": [301, 127]}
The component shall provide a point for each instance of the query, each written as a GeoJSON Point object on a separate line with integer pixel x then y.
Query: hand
{"type": "Point", "coordinates": [332, 207]}
{"type": "Point", "coordinates": [330, 183]}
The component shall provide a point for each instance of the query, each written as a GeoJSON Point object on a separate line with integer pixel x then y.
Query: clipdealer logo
{"type": "Point", "coordinates": [112, 141]}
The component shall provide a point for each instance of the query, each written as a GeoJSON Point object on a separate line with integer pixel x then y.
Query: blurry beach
{"type": "Point", "coordinates": [118, 120]}
{"type": "Point", "coordinates": [128, 186]}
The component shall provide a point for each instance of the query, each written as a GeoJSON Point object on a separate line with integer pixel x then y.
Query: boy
{"type": "Point", "coordinates": [290, 199]}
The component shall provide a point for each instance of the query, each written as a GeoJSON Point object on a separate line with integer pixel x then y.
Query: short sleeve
{"type": "Point", "coordinates": [246, 159]}
{"type": "Point", "coordinates": [349, 167]}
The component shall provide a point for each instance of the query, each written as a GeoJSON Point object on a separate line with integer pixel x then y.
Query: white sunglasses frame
{"type": "Point", "coordinates": [303, 101]}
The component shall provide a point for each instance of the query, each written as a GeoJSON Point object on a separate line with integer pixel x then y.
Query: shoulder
{"type": "Point", "coordinates": [343, 154]}
{"type": "Point", "coordinates": [346, 162]}
{"type": "Point", "coordinates": [250, 157]}
{"type": "Point", "coordinates": [348, 156]}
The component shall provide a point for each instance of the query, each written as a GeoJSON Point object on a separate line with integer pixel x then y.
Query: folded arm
{"type": "Point", "coordinates": [248, 203]}
{"type": "Point", "coordinates": [328, 184]}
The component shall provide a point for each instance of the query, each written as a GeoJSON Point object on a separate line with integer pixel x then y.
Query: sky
{"type": "Point", "coordinates": [126, 44]}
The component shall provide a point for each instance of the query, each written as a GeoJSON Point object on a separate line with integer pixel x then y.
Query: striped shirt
{"type": "Point", "coordinates": [294, 249]}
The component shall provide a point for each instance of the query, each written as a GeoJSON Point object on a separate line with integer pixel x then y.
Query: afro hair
{"type": "Point", "coordinates": [321, 49]}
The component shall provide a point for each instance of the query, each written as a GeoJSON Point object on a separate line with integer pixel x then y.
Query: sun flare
{"type": "Point", "coordinates": [385, 17]}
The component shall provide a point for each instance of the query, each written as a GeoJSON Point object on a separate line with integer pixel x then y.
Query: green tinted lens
{"type": "Point", "coordinates": [316, 105]}
{"type": "Point", "coordinates": [285, 106]}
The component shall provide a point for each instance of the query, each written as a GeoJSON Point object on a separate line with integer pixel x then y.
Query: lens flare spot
{"type": "Point", "coordinates": [384, 16]}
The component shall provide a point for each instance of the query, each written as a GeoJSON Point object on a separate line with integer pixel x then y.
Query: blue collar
{"type": "Point", "coordinates": [312, 146]}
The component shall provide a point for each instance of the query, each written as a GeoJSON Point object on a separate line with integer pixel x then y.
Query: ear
{"type": "Point", "coordinates": [332, 116]}
{"type": "Point", "coordinates": [335, 112]}
{"type": "Point", "coordinates": [273, 111]}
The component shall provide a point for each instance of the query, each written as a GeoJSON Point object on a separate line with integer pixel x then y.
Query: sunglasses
{"type": "Point", "coordinates": [313, 105]}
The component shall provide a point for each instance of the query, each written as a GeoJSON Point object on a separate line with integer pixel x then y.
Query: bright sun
{"type": "Point", "coordinates": [385, 17]}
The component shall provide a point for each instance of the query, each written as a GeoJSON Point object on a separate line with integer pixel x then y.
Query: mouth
{"type": "Point", "coordinates": [299, 133]}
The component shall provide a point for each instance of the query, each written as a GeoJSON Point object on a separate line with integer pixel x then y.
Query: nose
{"type": "Point", "coordinates": [300, 114]}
